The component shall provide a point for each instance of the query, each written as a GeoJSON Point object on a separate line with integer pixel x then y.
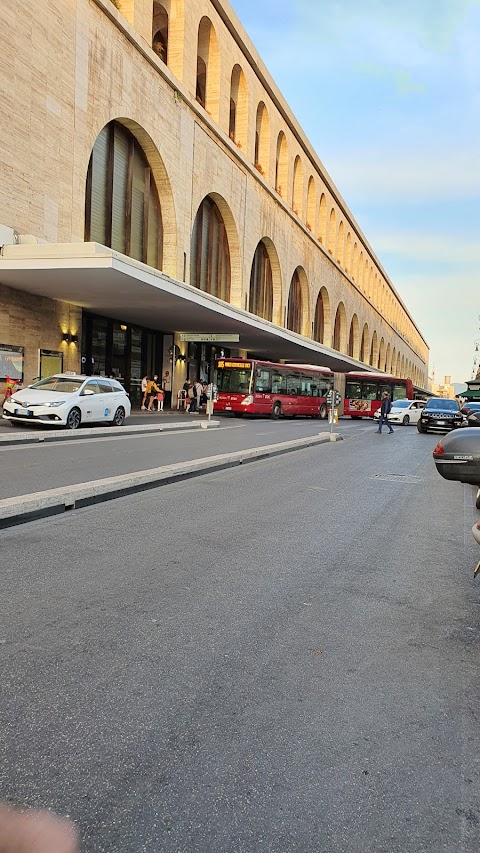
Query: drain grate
{"type": "Point", "coordinates": [398, 478]}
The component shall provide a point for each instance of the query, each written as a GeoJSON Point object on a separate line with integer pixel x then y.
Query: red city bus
{"type": "Point", "coordinates": [363, 392]}
{"type": "Point", "coordinates": [249, 386]}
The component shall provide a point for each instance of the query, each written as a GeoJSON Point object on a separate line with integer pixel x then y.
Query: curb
{"type": "Point", "coordinates": [34, 437]}
{"type": "Point", "coordinates": [23, 508]}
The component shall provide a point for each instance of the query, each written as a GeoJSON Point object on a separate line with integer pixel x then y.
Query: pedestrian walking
{"type": "Point", "coordinates": [145, 382]}
{"type": "Point", "coordinates": [385, 409]}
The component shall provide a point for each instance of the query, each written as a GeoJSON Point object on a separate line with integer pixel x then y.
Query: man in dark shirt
{"type": "Point", "coordinates": [384, 412]}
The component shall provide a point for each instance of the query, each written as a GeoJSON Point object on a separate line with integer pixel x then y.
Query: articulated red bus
{"type": "Point", "coordinates": [249, 386]}
{"type": "Point", "coordinates": [363, 392]}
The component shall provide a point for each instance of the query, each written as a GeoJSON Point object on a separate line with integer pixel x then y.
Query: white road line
{"type": "Point", "coordinates": [68, 442]}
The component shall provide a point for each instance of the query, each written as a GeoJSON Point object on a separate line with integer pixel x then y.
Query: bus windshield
{"type": "Point", "coordinates": [234, 380]}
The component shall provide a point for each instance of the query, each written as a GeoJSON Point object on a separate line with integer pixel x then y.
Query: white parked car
{"type": "Point", "coordinates": [404, 412]}
{"type": "Point", "coordinates": [67, 399]}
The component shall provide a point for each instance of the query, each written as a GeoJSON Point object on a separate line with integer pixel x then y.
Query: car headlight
{"type": "Point", "coordinates": [247, 401]}
{"type": "Point", "coordinates": [55, 403]}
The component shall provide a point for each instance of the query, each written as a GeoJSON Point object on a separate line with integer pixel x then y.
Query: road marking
{"type": "Point", "coordinates": [68, 442]}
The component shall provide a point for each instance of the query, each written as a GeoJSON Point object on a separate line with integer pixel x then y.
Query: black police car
{"type": "Point", "coordinates": [440, 414]}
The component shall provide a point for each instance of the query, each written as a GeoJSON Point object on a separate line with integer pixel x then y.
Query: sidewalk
{"type": "Point", "coordinates": [139, 423]}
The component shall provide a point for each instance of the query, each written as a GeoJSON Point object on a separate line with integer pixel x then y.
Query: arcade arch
{"type": "Point", "coordinates": [208, 68]}
{"type": "Point", "coordinates": [238, 118]}
{"type": "Point", "coordinates": [340, 329]}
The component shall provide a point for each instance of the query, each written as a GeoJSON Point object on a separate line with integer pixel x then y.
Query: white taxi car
{"type": "Point", "coordinates": [67, 399]}
{"type": "Point", "coordinates": [404, 412]}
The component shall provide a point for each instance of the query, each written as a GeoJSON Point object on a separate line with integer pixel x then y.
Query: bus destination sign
{"type": "Point", "coordinates": [241, 365]}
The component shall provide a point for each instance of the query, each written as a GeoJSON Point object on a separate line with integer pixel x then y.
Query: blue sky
{"type": "Point", "coordinates": [388, 93]}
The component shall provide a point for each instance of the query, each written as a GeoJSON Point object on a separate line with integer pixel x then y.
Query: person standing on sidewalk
{"type": "Point", "coordinates": [197, 386]}
{"type": "Point", "coordinates": [145, 381]}
{"type": "Point", "coordinates": [385, 409]}
{"type": "Point", "coordinates": [167, 387]}
{"type": "Point", "coordinates": [192, 396]}
{"type": "Point", "coordinates": [153, 392]}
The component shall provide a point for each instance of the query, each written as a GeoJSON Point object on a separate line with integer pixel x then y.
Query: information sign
{"type": "Point", "coordinates": [207, 338]}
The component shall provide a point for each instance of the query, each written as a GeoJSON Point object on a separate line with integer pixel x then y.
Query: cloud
{"type": "Point", "coordinates": [436, 248]}
{"type": "Point", "coordinates": [403, 80]}
{"type": "Point", "coordinates": [446, 309]}
{"type": "Point", "coordinates": [419, 174]}
{"type": "Point", "coordinates": [432, 23]}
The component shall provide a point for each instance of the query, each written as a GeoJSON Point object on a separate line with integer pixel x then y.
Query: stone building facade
{"type": "Point", "coordinates": [179, 84]}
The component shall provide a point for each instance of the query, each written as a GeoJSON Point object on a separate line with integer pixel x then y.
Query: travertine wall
{"type": "Point", "coordinates": [80, 64]}
{"type": "Point", "coordinates": [37, 323]}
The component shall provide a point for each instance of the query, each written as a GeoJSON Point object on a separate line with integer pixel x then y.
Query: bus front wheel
{"type": "Point", "coordinates": [276, 411]}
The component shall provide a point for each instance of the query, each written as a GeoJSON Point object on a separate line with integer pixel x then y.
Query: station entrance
{"type": "Point", "coordinates": [120, 350]}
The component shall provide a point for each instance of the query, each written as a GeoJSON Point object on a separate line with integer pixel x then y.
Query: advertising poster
{"type": "Point", "coordinates": [11, 362]}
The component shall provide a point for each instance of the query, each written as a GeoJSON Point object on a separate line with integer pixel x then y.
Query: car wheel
{"type": "Point", "coordinates": [322, 412]}
{"type": "Point", "coordinates": [119, 417]}
{"type": "Point", "coordinates": [477, 502]}
{"type": "Point", "coordinates": [406, 420]}
{"type": "Point", "coordinates": [420, 428]}
{"type": "Point", "coordinates": [74, 418]}
{"type": "Point", "coordinates": [276, 411]}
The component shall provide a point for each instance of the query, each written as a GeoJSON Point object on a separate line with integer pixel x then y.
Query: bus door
{"type": "Point", "coordinates": [263, 390]}
{"type": "Point", "coordinates": [292, 402]}
{"type": "Point", "coordinates": [309, 401]}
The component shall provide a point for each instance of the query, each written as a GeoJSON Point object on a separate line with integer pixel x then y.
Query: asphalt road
{"type": "Point", "coordinates": [32, 468]}
{"type": "Point", "coordinates": [280, 657]}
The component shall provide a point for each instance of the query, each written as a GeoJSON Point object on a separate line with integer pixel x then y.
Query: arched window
{"type": "Point", "coordinates": [294, 315]}
{"type": "Point", "coordinates": [160, 31]}
{"type": "Point", "coordinates": [262, 140]}
{"type": "Point", "coordinates": [355, 263]}
{"type": "Point", "coordinates": [297, 195]}
{"type": "Point", "coordinates": [364, 345]}
{"type": "Point", "coordinates": [122, 208]}
{"type": "Point", "coordinates": [322, 225]}
{"type": "Point", "coordinates": [319, 322]}
{"type": "Point", "coordinates": [210, 257]}
{"type": "Point", "coordinates": [339, 329]}
{"type": "Point", "coordinates": [340, 244]}
{"type": "Point", "coordinates": [281, 166]}
{"type": "Point", "coordinates": [353, 338]}
{"type": "Point", "coordinates": [381, 355]}
{"type": "Point", "coordinates": [348, 253]}
{"type": "Point", "coordinates": [361, 272]}
{"type": "Point", "coordinates": [332, 233]}
{"type": "Point", "coordinates": [208, 68]}
{"type": "Point", "coordinates": [311, 205]}
{"type": "Point", "coordinates": [237, 127]}
{"type": "Point", "coordinates": [201, 91]}
{"type": "Point", "coordinates": [261, 284]}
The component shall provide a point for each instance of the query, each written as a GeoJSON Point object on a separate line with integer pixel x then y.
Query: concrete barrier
{"type": "Point", "coordinates": [34, 435]}
{"type": "Point", "coordinates": [54, 501]}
